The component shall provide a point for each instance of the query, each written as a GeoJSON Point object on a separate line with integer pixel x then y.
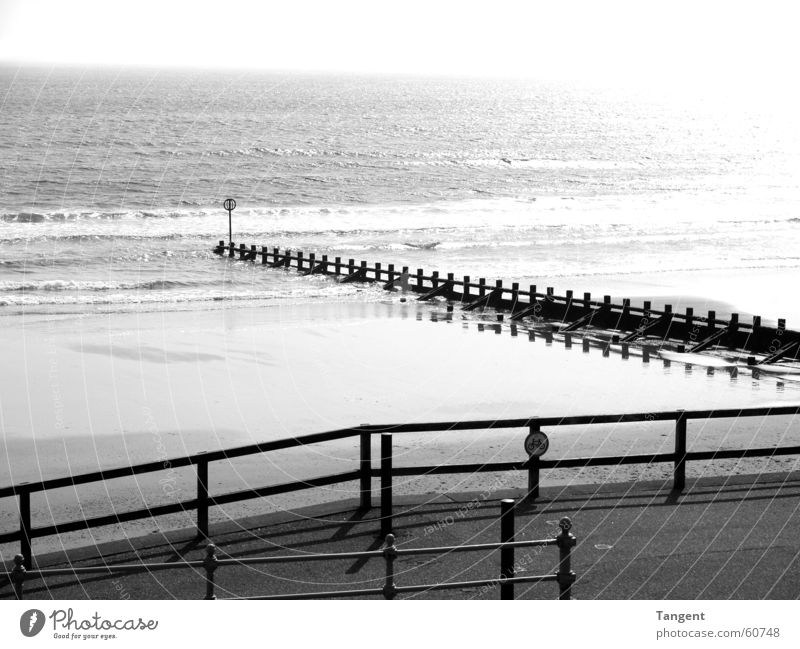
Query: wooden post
{"type": "Point", "coordinates": [712, 320]}
{"type": "Point", "coordinates": [568, 340]}
{"type": "Point", "coordinates": [533, 470]}
{"type": "Point", "coordinates": [625, 352]}
{"type": "Point", "coordinates": [312, 261]}
{"type": "Point", "coordinates": [351, 266]}
{"type": "Point", "coordinates": [263, 254]}
{"type": "Point", "coordinates": [242, 250]}
{"type": "Point", "coordinates": [337, 265]}
{"type": "Point", "coordinates": [202, 498]}
{"type": "Point", "coordinates": [366, 471]}
{"type": "Point", "coordinates": [607, 300]}
{"type": "Point", "coordinates": [565, 541]}
{"type": "Point", "coordinates": [25, 526]}
{"type": "Point", "coordinates": [587, 300]}
{"type": "Point", "coordinates": [325, 265]}
{"type": "Point", "coordinates": [299, 260]}
{"type": "Point", "coordinates": [645, 353]}
{"type": "Point", "coordinates": [210, 564]}
{"type": "Point", "coordinates": [390, 273]}
{"type": "Point", "coordinates": [482, 287]}
{"type": "Point", "coordinates": [647, 307]}
{"type": "Point", "coordinates": [514, 295]}
{"type": "Point", "coordinates": [386, 483]}
{"type": "Point", "coordinates": [465, 292]}
{"type": "Point", "coordinates": [435, 279]}
{"type": "Point", "coordinates": [506, 553]}
{"type": "Point", "coordinates": [550, 291]}
{"type": "Point", "coordinates": [287, 262]}
{"type": "Point", "coordinates": [679, 479]}
{"type": "Point", "coordinates": [378, 271]}
{"type": "Point", "coordinates": [220, 248]}
{"type": "Point", "coordinates": [275, 254]}
{"type": "Point", "coordinates": [232, 250]}
{"type": "Point", "coordinates": [253, 253]}
{"type": "Point", "coordinates": [585, 345]}
{"type": "Point", "coordinates": [420, 272]}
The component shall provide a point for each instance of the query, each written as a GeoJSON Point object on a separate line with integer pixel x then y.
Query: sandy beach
{"type": "Point", "coordinates": [108, 389]}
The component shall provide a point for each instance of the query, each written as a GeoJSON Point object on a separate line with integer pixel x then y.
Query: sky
{"type": "Point", "coordinates": [699, 41]}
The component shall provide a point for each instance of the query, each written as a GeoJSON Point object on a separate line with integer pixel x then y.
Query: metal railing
{"type": "Point", "coordinates": [505, 581]}
{"type": "Point", "coordinates": [386, 471]}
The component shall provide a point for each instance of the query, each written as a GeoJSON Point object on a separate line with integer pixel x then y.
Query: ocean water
{"type": "Point", "coordinates": [112, 182]}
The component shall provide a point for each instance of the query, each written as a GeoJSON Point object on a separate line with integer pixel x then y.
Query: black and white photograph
{"type": "Point", "coordinates": [456, 303]}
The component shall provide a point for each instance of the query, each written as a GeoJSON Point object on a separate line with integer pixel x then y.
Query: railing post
{"type": "Point", "coordinates": [18, 576]}
{"type": "Point", "coordinates": [232, 249]}
{"type": "Point", "coordinates": [366, 471]}
{"type": "Point", "coordinates": [679, 478]}
{"type": "Point", "coordinates": [389, 554]}
{"type": "Point", "coordinates": [210, 564]}
{"type": "Point", "coordinates": [533, 478]}
{"type": "Point", "coordinates": [506, 553]}
{"type": "Point", "coordinates": [386, 483]}
{"type": "Point", "coordinates": [565, 542]}
{"type": "Point", "coordinates": [202, 498]}
{"type": "Point", "coordinates": [25, 526]}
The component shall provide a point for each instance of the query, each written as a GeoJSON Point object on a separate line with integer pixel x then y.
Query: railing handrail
{"type": "Point", "coordinates": [389, 553]}
{"type": "Point", "coordinates": [41, 573]}
{"type": "Point", "coordinates": [373, 429]}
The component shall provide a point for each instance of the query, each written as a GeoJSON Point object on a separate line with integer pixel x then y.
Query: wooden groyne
{"type": "Point", "coordinates": [693, 333]}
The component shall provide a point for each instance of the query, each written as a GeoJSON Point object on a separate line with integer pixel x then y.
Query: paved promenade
{"type": "Point", "coordinates": [722, 538]}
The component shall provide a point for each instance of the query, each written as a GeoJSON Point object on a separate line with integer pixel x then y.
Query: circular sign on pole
{"type": "Point", "coordinates": [230, 205]}
{"type": "Point", "coordinates": [536, 443]}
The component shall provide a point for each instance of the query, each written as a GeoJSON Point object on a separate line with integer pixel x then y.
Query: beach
{"type": "Point", "coordinates": [127, 340]}
{"type": "Point", "coordinates": [103, 390]}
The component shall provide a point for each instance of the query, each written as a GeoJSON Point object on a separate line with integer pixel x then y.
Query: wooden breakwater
{"type": "Point", "coordinates": [695, 333]}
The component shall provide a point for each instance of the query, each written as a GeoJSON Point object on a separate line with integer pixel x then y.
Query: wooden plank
{"type": "Point", "coordinates": [779, 353]}
{"type": "Point", "coordinates": [585, 320]}
{"type": "Point", "coordinates": [528, 310]}
{"type": "Point", "coordinates": [321, 267]}
{"type": "Point", "coordinates": [490, 300]}
{"type": "Point", "coordinates": [710, 340]}
{"type": "Point", "coordinates": [359, 275]}
{"type": "Point", "coordinates": [443, 289]}
{"type": "Point", "coordinates": [665, 319]}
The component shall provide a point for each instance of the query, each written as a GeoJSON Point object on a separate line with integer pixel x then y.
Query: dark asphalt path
{"type": "Point", "coordinates": [736, 538]}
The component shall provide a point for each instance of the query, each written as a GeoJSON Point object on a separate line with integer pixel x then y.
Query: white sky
{"type": "Point", "coordinates": [699, 41]}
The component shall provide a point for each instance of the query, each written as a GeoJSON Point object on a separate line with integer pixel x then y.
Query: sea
{"type": "Point", "coordinates": [112, 183]}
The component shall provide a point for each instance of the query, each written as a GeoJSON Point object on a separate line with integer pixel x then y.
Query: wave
{"type": "Point", "coordinates": [87, 285]}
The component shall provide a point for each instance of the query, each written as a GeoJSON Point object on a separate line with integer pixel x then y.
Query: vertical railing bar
{"type": "Point", "coordinates": [25, 548]}
{"type": "Point", "coordinates": [366, 471]}
{"type": "Point", "coordinates": [679, 477]}
{"type": "Point", "coordinates": [506, 552]}
{"type": "Point", "coordinates": [565, 577]}
{"type": "Point", "coordinates": [386, 483]}
{"type": "Point", "coordinates": [202, 498]}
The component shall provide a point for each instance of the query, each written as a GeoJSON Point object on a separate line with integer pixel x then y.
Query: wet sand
{"type": "Point", "coordinates": [108, 389]}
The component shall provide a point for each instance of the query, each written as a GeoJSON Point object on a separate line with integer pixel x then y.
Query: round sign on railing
{"type": "Point", "coordinates": [536, 443]}
{"type": "Point", "coordinates": [229, 204]}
